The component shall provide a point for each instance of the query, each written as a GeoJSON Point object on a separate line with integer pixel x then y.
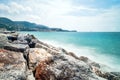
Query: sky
{"type": "Point", "coordinates": [80, 15]}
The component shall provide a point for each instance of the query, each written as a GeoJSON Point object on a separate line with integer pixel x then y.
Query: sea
{"type": "Point", "coordinates": [101, 47]}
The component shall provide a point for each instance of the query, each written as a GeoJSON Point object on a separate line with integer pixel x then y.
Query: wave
{"type": "Point", "coordinates": [90, 52]}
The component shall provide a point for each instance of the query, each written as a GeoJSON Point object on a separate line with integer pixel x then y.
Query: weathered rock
{"type": "Point", "coordinates": [97, 69]}
{"type": "Point", "coordinates": [49, 49]}
{"type": "Point", "coordinates": [22, 37]}
{"type": "Point", "coordinates": [30, 75]}
{"type": "Point", "coordinates": [35, 56]}
{"type": "Point", "coordinates": [89, 62]}
{"type": "Point", "coordinates": [12, 38]}
{"type": "Point", "coordinates": [20, 42]}
{"type": "Point", "coordinates": [45, 62]}
{"type": "Point", "coordinates": [83, 58]}
{"type": "Point", "coordinates": [42, 73]}
{"type": "Point", "coordinates": [64, 67]}
{"type": "Point", "coordinates": [107, 75]}
{"type": "Point", "coordinates": [12, 65]}
{"type": "Point", "coordinates": [3, 40]}
{"type": "Point", "coordinates": [26, 37]}
{"type": "Point", "coordinates": [16, 47]}
{"type": "Point", "coordinates": [73, 55]}
{"type": "Point", "coordinates": [64, 51]}
{"type": "Point", "coordinates": [33, 42]}
{"type": "Point", "coordinates": [6, 38]}
{"type": "Point", "coordinates": [38, 45]}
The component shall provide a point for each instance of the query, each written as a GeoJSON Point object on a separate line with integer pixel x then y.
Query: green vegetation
{"type": "Point", "coordinates": [25, 26]}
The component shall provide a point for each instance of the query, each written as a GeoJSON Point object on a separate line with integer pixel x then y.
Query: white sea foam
{"type": "Point", "coordinates": [89, 52]}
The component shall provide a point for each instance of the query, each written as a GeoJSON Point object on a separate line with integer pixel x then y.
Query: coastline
{"type": "Point", "coordinates": [41, 61]}
{"type": "Point", "coordinates": [86, 44]}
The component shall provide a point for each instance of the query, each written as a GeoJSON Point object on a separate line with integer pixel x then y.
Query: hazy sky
{"type": "Point", "coordinates": [81, 15]}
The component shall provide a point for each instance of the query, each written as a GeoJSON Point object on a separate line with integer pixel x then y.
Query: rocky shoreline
{"type": "Point", "coordinates": [24, 57]}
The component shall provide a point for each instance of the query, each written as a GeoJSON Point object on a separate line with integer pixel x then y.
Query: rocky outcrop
{"type": "Point", "coordinates": [3, 40]}
{"type": "Point", "coordinates": [12, 65]}
{"type": "Point", "coordinates": [36, 56]}
{"type": "Point", "coordinates": [26, 58]}
{"type": "Point", "coordinates": [107, 75]}
{"type": "Point", "coordinates": [97, 69]}
{"type": "Point", "coordinates": [16, 47]}
{"type": "Point", "coordinates": [64, 67]}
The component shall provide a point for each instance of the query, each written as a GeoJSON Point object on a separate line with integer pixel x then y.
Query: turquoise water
{"type": "Point", "coordinates": [102, 47]}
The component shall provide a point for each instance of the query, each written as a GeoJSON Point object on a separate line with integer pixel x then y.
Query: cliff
{"type": "Point", "coordinates": [24, 57]}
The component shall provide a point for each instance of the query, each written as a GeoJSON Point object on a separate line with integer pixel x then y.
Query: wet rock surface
{"type": "Point", "coordinates": [24, 57]}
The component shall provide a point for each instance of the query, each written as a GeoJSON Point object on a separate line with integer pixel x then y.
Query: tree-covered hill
{"type": "Point", "coordinates": [10, 25]}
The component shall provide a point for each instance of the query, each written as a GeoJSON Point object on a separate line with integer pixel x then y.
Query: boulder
{"type": "Point", "coordinates": [19, 42]}
{"type": "Point", "coordinates": [73, 55]}
{"type": "Point", "coordinates": [26, 37]}
{"type": "Point", "coordinates": [99, 70]}
{"type": "Point", "coordinates": [3, 40]}
{"type": "Point", "coordinates": [30, 75]}
{"type": "Point", "coordinates": [32, 43]}
{"type": "Point", "coordinates": [16, 47]}
{"type": "Point", "coordinates": [49, 48]}
{"type": "Point", "coordinates": [26, 58]}
{"type": "Point", "coordinates": [22, 37]}
{"type": "Point", "coordinates": [64, 67]}
{"type": "Point", "coordinates": [12, 65]}
{"type": "Point", "coordinates": [35, 56]}
{"type": "Point", "coordinates": [12, 38]}
{"type": "Point", "coordinates": [107, 75]}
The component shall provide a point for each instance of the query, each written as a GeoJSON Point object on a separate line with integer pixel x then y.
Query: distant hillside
{"type": "Point", "coordinates": [8, 24]}
{"type": "Point", "coordinates": [27, 26]}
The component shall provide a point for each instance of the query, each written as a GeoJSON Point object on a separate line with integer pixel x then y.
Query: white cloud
{"type": "Point", "coordinates": [54, 14]}
{"type": "Point", "coordinates": [3, 7]}
{"type": "Point", "coordinates": [84, 8]}
{"type": "Point", "coordinates": [14, 8]}
{"type": "Point", "coordinates": [107, 21]}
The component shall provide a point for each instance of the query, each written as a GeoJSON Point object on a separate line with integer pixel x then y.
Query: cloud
{"type": "Point", "coordinates": [107, 21]}
{"type": "Point", "coordinates": [4, 8]}
{"type": "Point", "coordinates": [83, 11]}
{"type": "Point", "coordinates": [14, 8]}
{"type": "Point", "coordinates": [66, 14]}
{"type": "Point", "coordinates": [100, 4]}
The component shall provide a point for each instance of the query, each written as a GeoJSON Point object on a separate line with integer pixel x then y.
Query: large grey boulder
{"type": "Point", "coordinates": [26, 37]}
{"type": "Point", "coordinates": [16, 47]}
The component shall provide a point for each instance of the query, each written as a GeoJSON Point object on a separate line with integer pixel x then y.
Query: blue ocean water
{"type": "Point", "coordinates": [102, 47]}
